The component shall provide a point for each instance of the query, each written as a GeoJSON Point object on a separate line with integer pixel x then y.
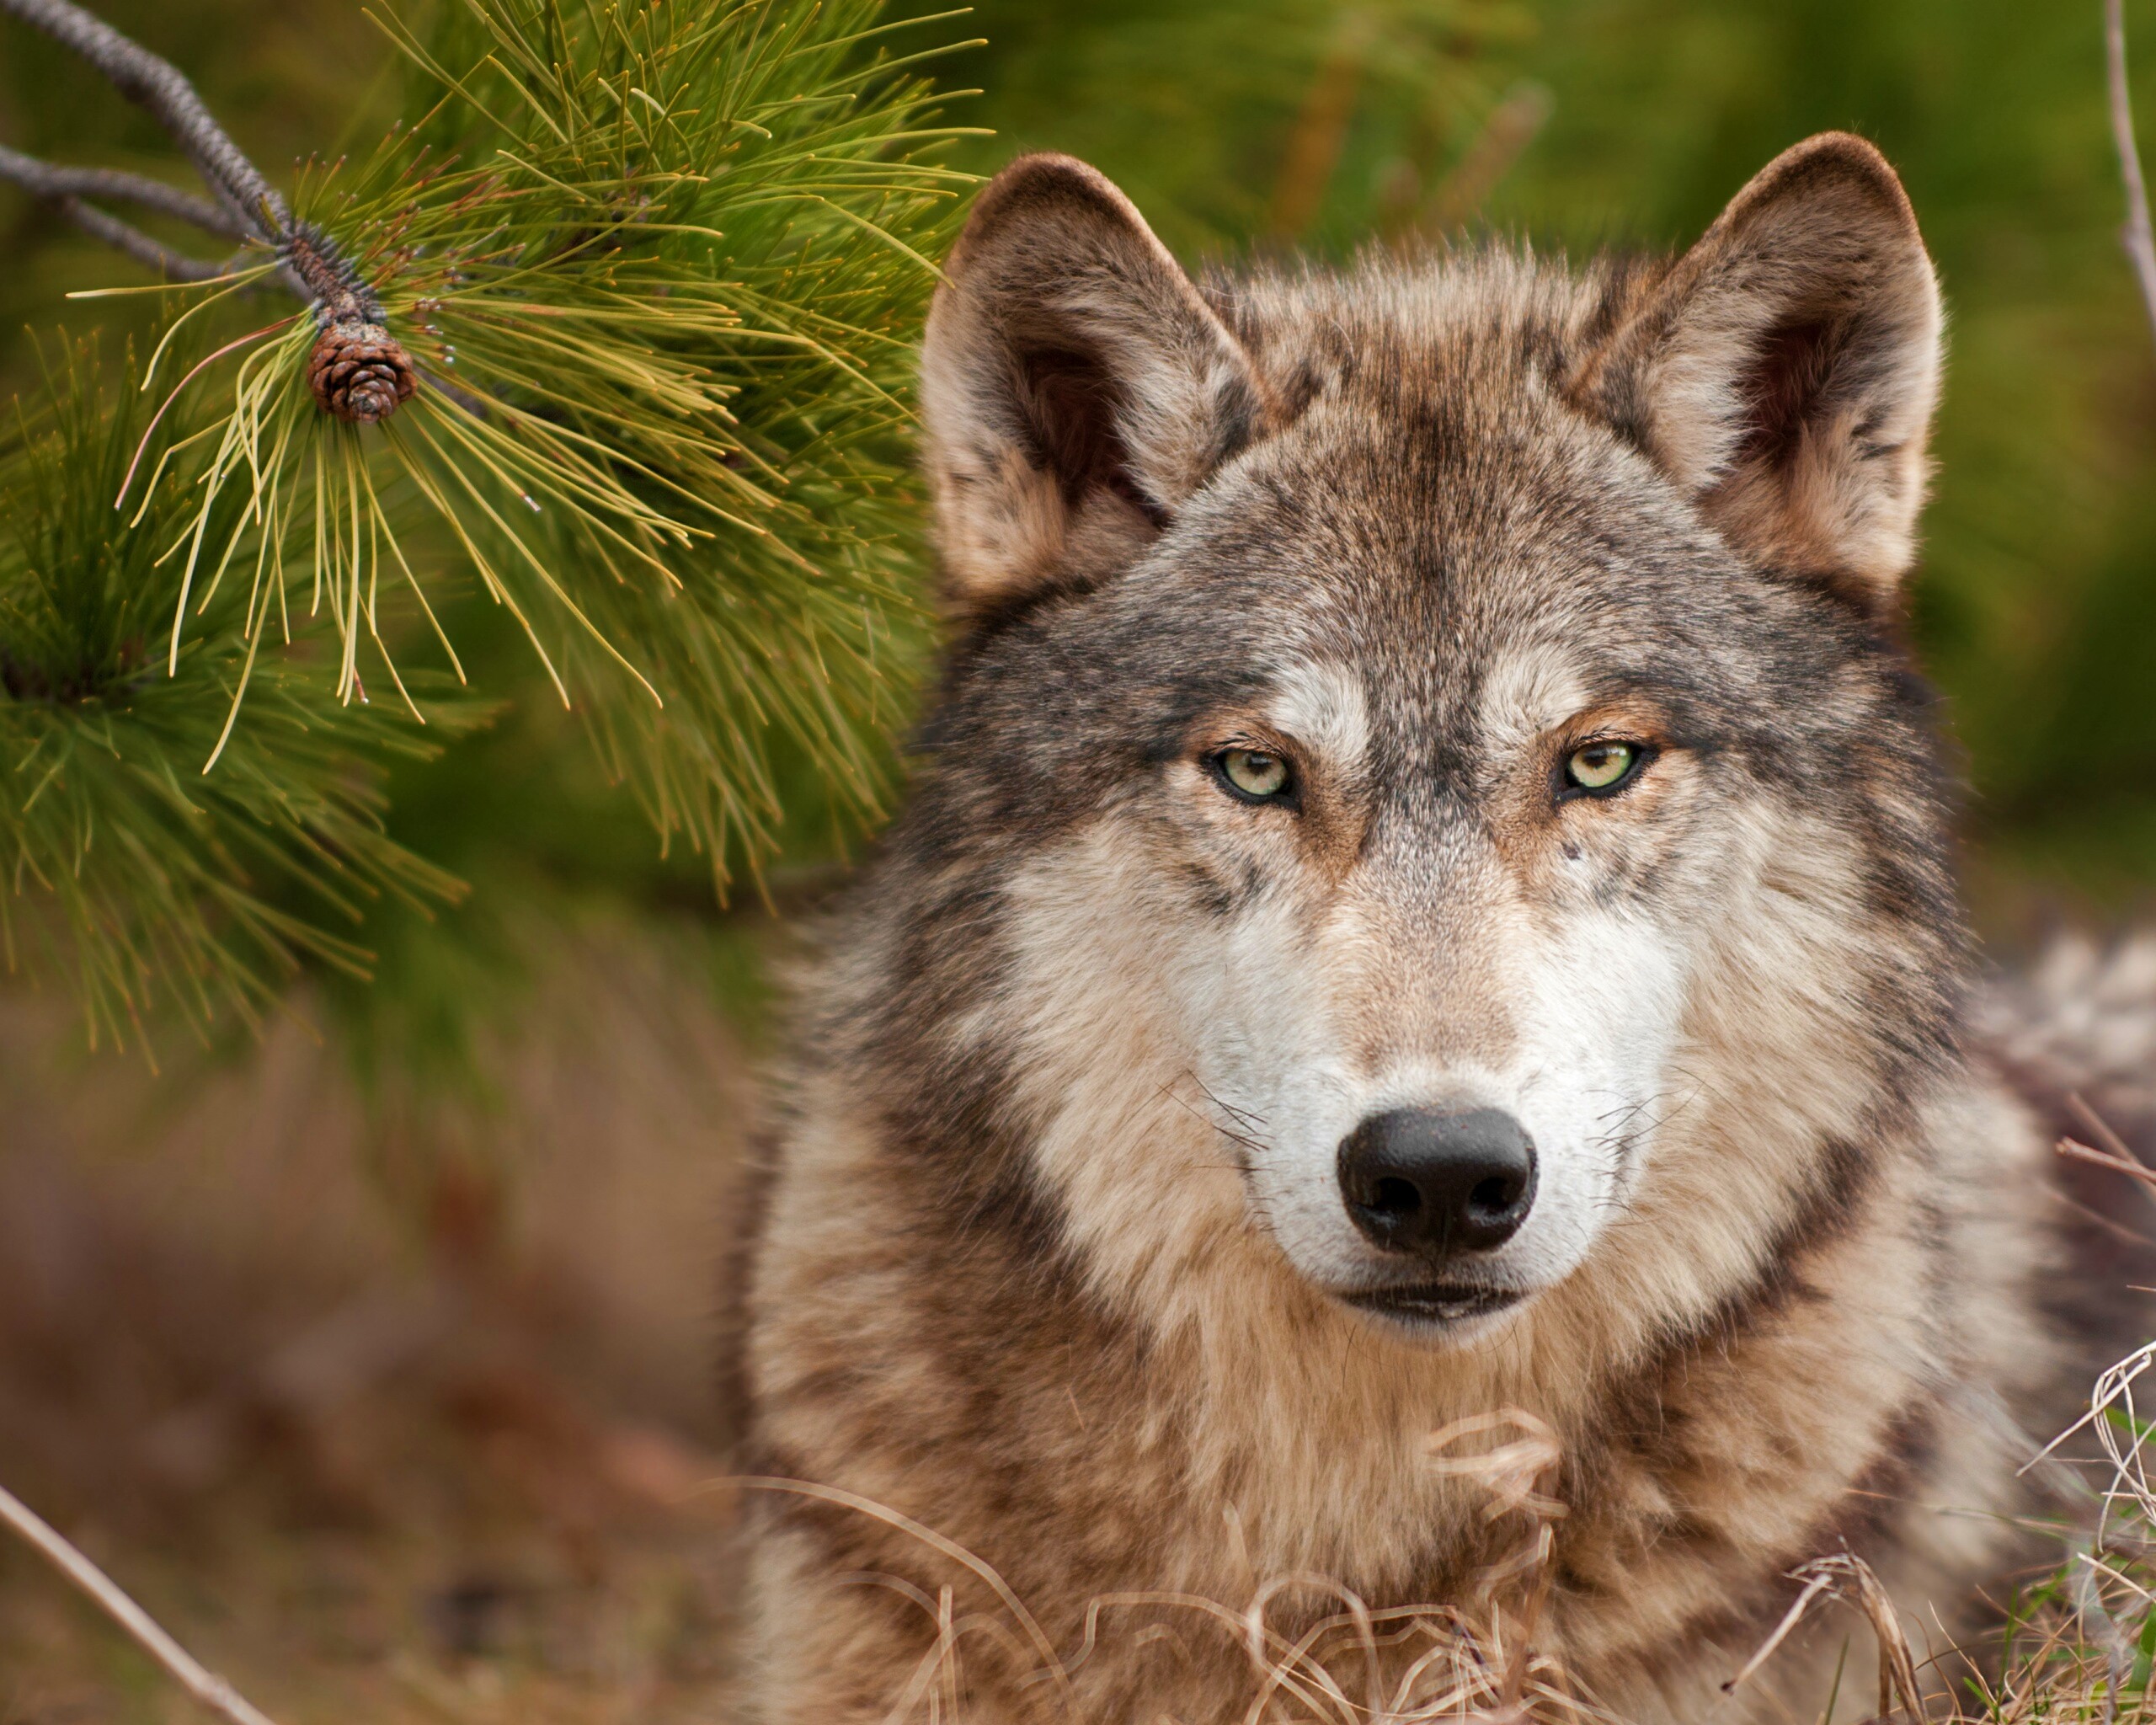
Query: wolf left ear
{"type": "Point", "coordinates": [1783, 371]}
{"type": "Point", "coordinates": [1076, 389]}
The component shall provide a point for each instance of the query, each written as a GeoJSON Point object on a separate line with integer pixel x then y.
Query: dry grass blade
{"type": "Point", "coordinates": [1412, 1664]}
{"type": "Point", "coordinates": [1846, 1577]}
{"type": "Point", "coordinates": [2089, 1652]}
{"type": "Point", "coordinates": [950, 1548]}
{"type": "Point", "coordinates": [200, 1682]}
{"type": "Point", "coordinates": [2123, 1436]}
{"type": "Point", "coordinates": [2139, 241]}
{"type": "Point", "coordinates": [1514, 1473]}
{"type": "Point", "coordinates": [1517, 1476]}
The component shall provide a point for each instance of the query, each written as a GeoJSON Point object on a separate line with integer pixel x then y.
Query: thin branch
{"type": "Point", "coordinates": [48, 180]}
{"type": "Point", "coordinates": [176, 266]}
{"type": "Point", "coordinates": [2140, 245]}
{"type": "Point", "coordinates": [159, 85]}
{"type": "Point", "coordinates": [314, 267]}
{"type": "Point", "coordinates": [204, 1685]}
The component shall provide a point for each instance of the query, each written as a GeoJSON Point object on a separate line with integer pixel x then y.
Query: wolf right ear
{"type": "Point", "coordinates": [1075, 388]}
{"type": "Point", "coordinates": [1783, 372]}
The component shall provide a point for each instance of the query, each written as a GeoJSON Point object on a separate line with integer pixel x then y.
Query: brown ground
{"type": "Point", "coordinates": [386, 1424]}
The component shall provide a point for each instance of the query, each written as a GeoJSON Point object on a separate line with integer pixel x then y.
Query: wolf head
{"type": "Point", "coordinates": [1425, 791]}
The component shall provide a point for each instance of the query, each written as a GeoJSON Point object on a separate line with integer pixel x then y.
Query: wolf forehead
{"type": "Point", "coordinates": [1424, 529]}
{"type": "Point", "coordinates": [1705, 470]}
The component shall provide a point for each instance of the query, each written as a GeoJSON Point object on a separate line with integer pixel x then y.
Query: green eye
{"type": "Point", "coordinates": [1253, 773]}
{"type": "Point", "coordinates": [1601, 767]}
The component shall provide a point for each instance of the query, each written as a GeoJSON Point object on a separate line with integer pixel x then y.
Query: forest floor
{"type": "Point", "coordinates": [371, 1458]}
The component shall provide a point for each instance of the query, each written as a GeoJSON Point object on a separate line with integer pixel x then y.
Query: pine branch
{"type": "Point", "coordinates": [157, 85]}
{"type": "Point", "coordinates": [175, 266]}
{"type": "Point", "coordinates": [2140, 243]}
{"type": "Point", "coordinates": [249, 206]}
{"type": "Point", "coordinates": [688, 319]}
{"type": "Point", "coordinates": [211, 1690]}
{"type": "Point", "coordinates": [149, 889]}
{"type": "Point", "coordinates": [680, 262]}
{"type": "Point", "coordinates": [47, 180]}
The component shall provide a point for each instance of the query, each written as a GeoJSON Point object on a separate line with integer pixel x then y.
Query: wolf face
{"type": "Point", "coordinates": [1397, 838]}
{"type": "Point", "coordinates": [1402, 717]}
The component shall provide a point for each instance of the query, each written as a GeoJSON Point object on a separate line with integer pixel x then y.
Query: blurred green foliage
{"type": "Point", "coordinates": [1257, 124]}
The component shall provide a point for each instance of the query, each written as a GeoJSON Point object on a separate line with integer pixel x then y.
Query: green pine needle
{"type": "Point", "coordinates": [658, 267]}
{"type": "Point", "coordinates": [132, 879]}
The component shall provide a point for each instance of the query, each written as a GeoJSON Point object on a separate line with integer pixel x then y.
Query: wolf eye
{"type": "Point", "coordinates": [1602, 767]}
{"type": "Point", "coordinates": [1253, 774]}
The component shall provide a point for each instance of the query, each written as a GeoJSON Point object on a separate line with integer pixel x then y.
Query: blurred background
{"type": "Point", "coordinates": [373, 1351]}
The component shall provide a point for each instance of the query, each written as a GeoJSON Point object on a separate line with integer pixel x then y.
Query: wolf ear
{"type": "Point", "coordinates": [1785, 370]}
{"type": "Point", "coordinates": [1075, 390]}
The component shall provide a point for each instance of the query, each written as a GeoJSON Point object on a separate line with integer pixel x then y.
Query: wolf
{"type": "Point", "coordinates": [1424, 924]}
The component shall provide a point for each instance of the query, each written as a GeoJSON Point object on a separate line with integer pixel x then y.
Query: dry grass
{"type": "Point", "coordinates": [2077, 1645]}
{"type": "Point", "coordinates": [1354, 1665]}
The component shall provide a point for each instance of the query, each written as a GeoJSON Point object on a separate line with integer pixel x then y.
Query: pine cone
{"type": "Point", "coordinates": [360, 371]}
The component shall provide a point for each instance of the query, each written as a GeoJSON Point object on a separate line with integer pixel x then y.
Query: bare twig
{"type": "Point", "coordinates": [204, 1685]}
{"type": "Point", "coordinates": [176, 266]}
{"type": "Point", "coordinates": [313, 268]}
{"type": "Point", "coordinates": [2075, 1150]}
{"type": "Point", "coordinates": [2140, 245]}
{"type": "Point", "coordinates": [159, 85]}
{"type": "Point", "coordinates": [345, 308]}
{"type": "Point", "coordinates": [2098, 1128]}
{"type": "Point", "coordinates": [48, 180]}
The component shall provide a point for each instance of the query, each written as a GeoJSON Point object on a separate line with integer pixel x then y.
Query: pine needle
{"type": "Point", "coordinates": [663, 267]}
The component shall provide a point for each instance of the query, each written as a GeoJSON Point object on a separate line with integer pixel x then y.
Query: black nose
{"type": "Point", "coordinates": [1433, 1184]}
